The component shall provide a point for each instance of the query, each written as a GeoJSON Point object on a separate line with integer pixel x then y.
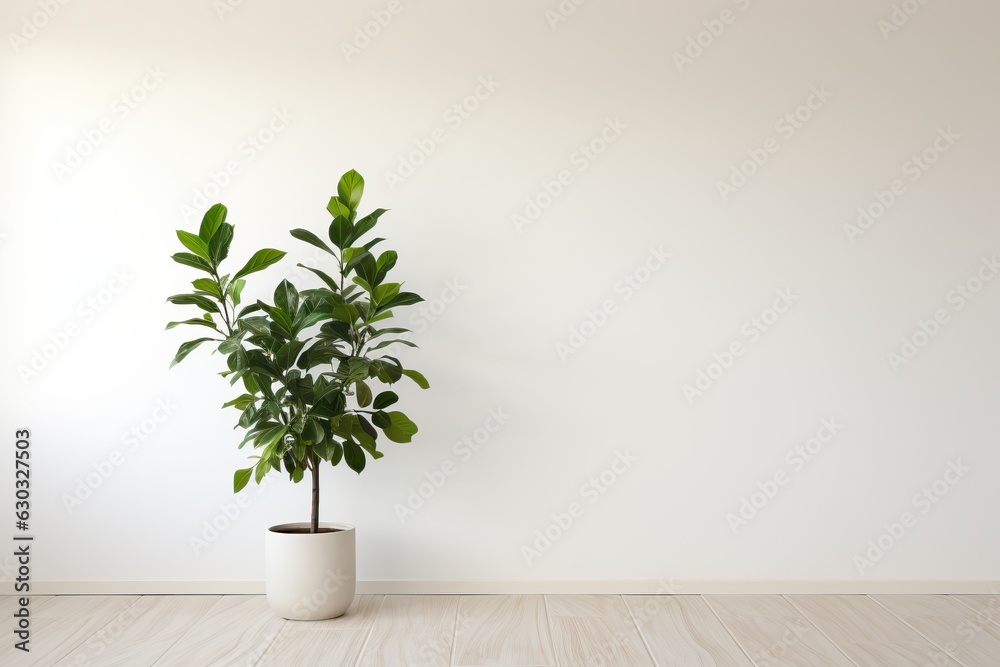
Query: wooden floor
{"type": "Point", "coordinates": [564, 630]}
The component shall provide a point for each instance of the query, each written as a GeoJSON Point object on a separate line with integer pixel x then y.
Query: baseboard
{"type": "Point", "coordinates": [505, 587]}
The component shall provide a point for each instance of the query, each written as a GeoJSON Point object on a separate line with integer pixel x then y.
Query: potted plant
{"type": "Point", "coordinates": [310, 364]}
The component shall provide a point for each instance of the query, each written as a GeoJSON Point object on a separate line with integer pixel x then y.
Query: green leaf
{"type": "Point", "coordinates": [197, 321]}
{"type": "Point", "coordinates": [263, 467]}
{"type": "Point", "coordinates": [402, 299]}
{"type": "Point", "coordinates": [366, 267]}
{"type": "Point", "coordinates": [235, 289]}
{"type": "Point", "coordinates": [288, 353]}
{"type": "Point", "coordinates": [416, 377]}
{"type": "Point", "coordinates": [218, 247]}
{"type": "Point", "coordinates": [384, 400]}
{"type": "Point", "coordinates": [241, 402]}
{"type": "Point", "coordinates": [260, 261]}
{"type": "Point", "coordinates": [241, 479]}
{"type": "Point", "coordinates": [186, 349]}
{"type": "Point", "coordinates": [363, 284]}
{"type": "Point", "coordinates": [337, 208]}
{"type": "Point", "coordinates": [211, 222]}
{"type": "Point", "coordinates": [382, 420]}
{"type": "Point", "coordinates": [312, 239]}
{"type": "Point", "coordinates": [401, 429]}
{"type": "Point", "coordinates": [336, 453]}
{"type": "Point", "coordinates": [385, 262]}
{"type": "Point", "coordinates": [199, 300]}
{"type": "Point", "coordinates": [232, 343]}
{"type": "Point", "coordinates": [269, 436]}
{"type": "Point", "coordinates": [330, 282]}
{"type": "Point", "coordinates": [355, 456]}
{"type": "Point", "coordinates": [350, 189]}
{"type": "Point", "coordinates": [193, 243]}
{"type": "Point", "coordinates": [207, 285]}
{"type": "Point", "coordinates": [385, 292]}
{"type": "Point", "coordinates": [279, 317]}
{"type": "Point", "coordinates": [286, 297]}
{"type": "Point", "coordinates": [364, 394]}
{"type": "Point", "coordinates": [313, 432]}
{"type": "Point", "coordinates": [391, 341]}
{"type": "Point", "coordinates": [195, 261]}
{"type": "Point", "coordinates": [365, 224]}
{"type": "Point", "coordinates": [341, 230]}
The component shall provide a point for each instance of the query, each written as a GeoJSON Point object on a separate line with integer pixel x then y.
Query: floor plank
{"type": "Point", "coordinates": [517, 631]}
{"type": "Point", "coordinates": [962, 633]}
{"type": "Point", "coordinates": [503, 630]}
{"type": "Point", "coordinates": [986, 605]}
{"type": "Point", "coordinates": [360, 615]}
{"type": "Point", "coordinates": [868, 633]}
{"type": "Point", "coordinates": [683, 630]}
{"type": "Point", "coordinates": [61, 625]}
{"type": "Point", "coordinates": [595, 630]}
{"type": "Point", "coordinates": [10, 603]}
{"type": "Point", "coordinates": [773, 632]}
{"type": "Point", "coordinates": [237, 631]}
{"type": "Point", "coordinates": [413, 630]}
{"type": "Point", "coordinates": [299, 647]}
{"type": "Point", "coordinates": [143, 632]}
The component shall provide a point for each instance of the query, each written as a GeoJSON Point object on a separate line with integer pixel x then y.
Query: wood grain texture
{"type": "Point", "coordinates": [143, 632]}
{"type": "Point", "coordinates": [237, 631]}
{"type": "Point", "coordinates": [413, 630]}
{"type": "Point", "coordinates": [771, 631]}
{"type": "Point", "coordinates": [61, 625]}
{"type": "Point", "coordinates": [987, 606]}
{"type": "Point", "coordinates": [595, 630]}
{"type": "Point", "coordinates": [9, 604]}
{"type": "Point", "coordinates": [360, 615]}
{"type": "Point", "coordinates": [305, 647]}
{"type": "Point", "coordinates": [503, 630]}
{"type": "Point", "coordinates": [867, 632]}
{"type": "Point", "coordinates": [962, 633]}
{"type": "Point", "coordinates": [683, 630]}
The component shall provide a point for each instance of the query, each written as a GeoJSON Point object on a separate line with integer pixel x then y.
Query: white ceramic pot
{"type": "Point", "coordinates": [310, 577]}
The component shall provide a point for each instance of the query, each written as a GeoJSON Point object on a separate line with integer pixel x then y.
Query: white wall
{"type": "Point", "coordinates": [522, 291]}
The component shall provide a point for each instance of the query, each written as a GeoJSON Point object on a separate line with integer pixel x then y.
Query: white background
{"type": "Point", "coordinates": [64, 235]}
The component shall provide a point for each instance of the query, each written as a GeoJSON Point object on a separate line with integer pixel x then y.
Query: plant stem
{"type": "Point", "coordinates": [314, 466]}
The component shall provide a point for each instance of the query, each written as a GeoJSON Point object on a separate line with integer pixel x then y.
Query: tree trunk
{"type": "Point", "coordinates": [314, 524]}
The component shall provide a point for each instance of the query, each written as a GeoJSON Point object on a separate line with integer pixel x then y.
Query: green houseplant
{"type": "Point", "coordinates": [310, 363]}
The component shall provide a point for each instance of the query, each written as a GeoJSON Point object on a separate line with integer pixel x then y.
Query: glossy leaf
{"type": "Point", "coordinates": [338, 208]}
{"type": "Point", "coordinates": [211, 222]}
{"type": "Point", "coordinates": [199, 300]}
{"type": "Point", "coordinates": [416, 377]}
{"type": "Point", "coordinates": [350, 189]}
{"type": "Point", "coordinates": [218, 247]}
{"type": "Point", "coordinates": [354, 456]}
{"type": "Point", "coordinates": [193, 243]}
{"type": "Point", "coordinates": [189, 259]}
{"type": "Point", "coordinates": [241, 479]}
{"type": "Point", "coordinates": [186, 349]}
{"type": "Point", "coordinates": [402, 299]}
{"type": "Point", "coordinates": [365, 224]}
{"type": "Point", "coordinates": [311, 239]}
{"type": "Point", "coordinates": [207, 285]}
{"type": "Point", "coordinates": [193, 321]}
{"type": "Point", "coordinates": [384, 400]}
{"type": "Point", "coordinates": [341, 230]}
{"type": "Point", "coordinates": [235, 289]}
{"type": "Point", "coordinates": [364, 394]}
{"type": "Point", "coordinates": [260, 261]}
{"type": "Point", "coordinates": [286, 297]}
